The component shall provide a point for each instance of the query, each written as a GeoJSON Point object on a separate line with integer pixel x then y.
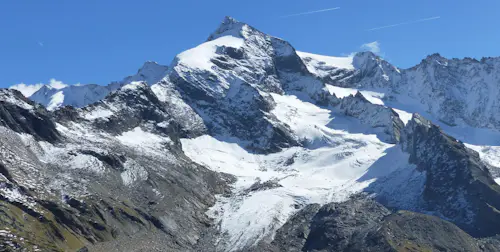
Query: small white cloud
{"type": "Point", "coordinates": [57, 84]}
{"type": "Point", "coordinates": [40, 43]}
{"type": "Point", "coordinates": [29, 89]}
{"type": "Point", "coordinates": [373, 47]}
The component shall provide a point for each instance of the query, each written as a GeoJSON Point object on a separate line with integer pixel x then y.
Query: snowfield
{"type": "Point", "coordinates": [341, 157]}
{"type": "Point", "coordinates": [317, 61]}
{"type": "Point", "coordinates": [200, 56]}
{"type": "Point", "coordinates": [331, 167]}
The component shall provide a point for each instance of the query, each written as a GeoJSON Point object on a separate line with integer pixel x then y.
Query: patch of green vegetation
{"type": "Point", "coordinates": [42, 232]}
{"type": "Point", "coordinates": [59, 227]}
{"type": "Point", "coordinates": [407, 246]}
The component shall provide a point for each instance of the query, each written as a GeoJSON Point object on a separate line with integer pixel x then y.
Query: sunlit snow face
{"type": "Point", "coordinates": [333, 166]}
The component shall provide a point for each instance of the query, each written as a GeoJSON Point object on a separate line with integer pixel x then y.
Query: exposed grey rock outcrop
{"type": "Point", "coordinates": [383, 119]}
{"type": "Point", "coordinates": [24, 116]}
{"type": "Point", "coordinates": [361, 224]}
{"type": "Point", "coordinates": [458, 185]}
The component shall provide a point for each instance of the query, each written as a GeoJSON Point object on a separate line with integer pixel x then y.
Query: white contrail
{"type": "Point", "coordinates": [404, 23]}
{"type": "Point", "coordinates": [310, 12]}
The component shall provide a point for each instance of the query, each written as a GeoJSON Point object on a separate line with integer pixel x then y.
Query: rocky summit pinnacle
{"type": "Point", "coordinates": [229, 26]}
{"type": "Point", "coordinates": [243, 143]}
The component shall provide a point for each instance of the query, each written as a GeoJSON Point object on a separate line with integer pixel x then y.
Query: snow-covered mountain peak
{"type": "Point", "coordinates": [72, 95]}
{"type": "Point", "coordinates": [238, 53]}
{"type": "Point", "coordinates": [229, 26]}
{"type": "Point", "coordinates": [57, 94]}
{"type": "Point", "coordinates": [151, 67]}
{"type": "Point", "coordinates": [434, 59]}
{"type": "Point", "coordinates": [126, 108]}
{"type": "Point", "coordinates": [434, 56]}
{"type": "Point", "coordinates": [150, 72]}
{"type": "Point", "coordinates": [362, 59]}
{"type": "Point", "coordinates": [367, 61]}
{"type": "Point", "coordinates": [455, 91]}
{"type": "Point", "coordinates": [51, 87]}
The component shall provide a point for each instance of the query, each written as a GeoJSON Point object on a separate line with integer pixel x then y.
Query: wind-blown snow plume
{"type": "Point", "coordinates": [405, 23]}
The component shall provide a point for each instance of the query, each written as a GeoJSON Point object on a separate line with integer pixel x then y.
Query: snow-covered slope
{"type": "Point", "coordinates": [323, 66]}
{"type": "Point", "coordinates": [151, 73]}
{"type": "Point", "coordinates": [328, 168]}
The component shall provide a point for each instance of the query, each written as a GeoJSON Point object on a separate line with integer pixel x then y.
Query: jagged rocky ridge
{"type": "Point", "coordinates": [456, 91]}
{"type": "Point", "coordinates": [459, 186]}
{"type": "Point", "coordinates": [376, 116]}
{"type": "Point", "coordinates": [120, 172]}
{"type": "Point", "coordinates": [93, 183]}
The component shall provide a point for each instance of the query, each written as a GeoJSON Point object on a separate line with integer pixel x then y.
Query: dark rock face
{"type": "Point", "coordinates": [294, 234]}
{"type": "Point", "coordinates": [113, 160]}
{"type": "Point", "coordinates": [383, 119]}
{"type": "Point", "coordinates": [30, 118]}
{"type": "Point", "coordinates": [407, 231]}
{"type": "Point", "coordinates": [361, 224]}
{"type": "Point", "coordinates": [242, 115]}
{"type": "Point", "coordinates": [65, 114]}
{"type": "Point", "coordinates": [339, 227]}
{"type": "Point", "coordinates": [286, 59]}
{"type": "Point", "coordinates": [261, 186]}
{"type": "Point", "coordinates": [459, 186]}
{"type": "Point", "coordinates": [135, 106]}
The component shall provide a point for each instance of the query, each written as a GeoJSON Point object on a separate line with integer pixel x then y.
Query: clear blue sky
{"type": "Point", "coordinates": [98, 41]}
